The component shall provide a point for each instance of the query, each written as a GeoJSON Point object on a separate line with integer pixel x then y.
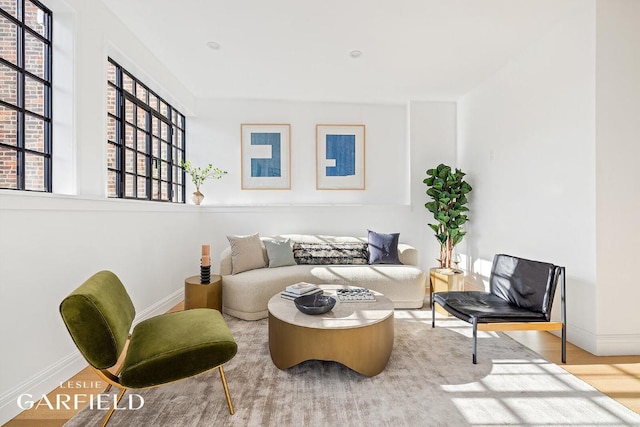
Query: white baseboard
{"type": "Point", "coordinates": [618, 345]}
{"type": "Point", "coordinates": [603, 345]}
{"type": "Point", "coordinates": [581, 337]}
{"type": "Point", "coordinates": [50, 378]}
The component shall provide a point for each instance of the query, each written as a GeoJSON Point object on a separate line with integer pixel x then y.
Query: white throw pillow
{"type": "Point", "coordinates": [246, 253]}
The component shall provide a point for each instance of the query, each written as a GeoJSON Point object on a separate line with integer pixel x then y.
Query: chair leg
{"type": "Point", "coordinates": [564, 344]}
{"type": "Point", "coordinates": [563, 312]}
{"type": "Point", "coordinates": [475, 340]}
{"type": "Point", "coordinates": [107, 417]}
{"type": "Point", "coordinates": [433, 314]}
{"type": "Point", "coordinates": [226, 390]}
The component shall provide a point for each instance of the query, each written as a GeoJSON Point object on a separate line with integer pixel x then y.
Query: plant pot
{"type": "Point", "coordinates": [197, 196]}
{"type": "Point", "coordinates": [445, 280]}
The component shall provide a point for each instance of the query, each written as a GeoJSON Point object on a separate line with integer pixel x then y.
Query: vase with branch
{"type": "Point", "coordinates": [199, 175]}
{"type": "Point", "coordinates": [448, 192]}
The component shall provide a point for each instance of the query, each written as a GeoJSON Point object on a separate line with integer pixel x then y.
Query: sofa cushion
{"type": "Point", "coordinates": [383, 248]}
{"type": "Point", "coordinates": [279, 252]}
{"type": "Point", "coordinates": [326, 253]}
{"type": "Point", "coordinates": [246, 253]}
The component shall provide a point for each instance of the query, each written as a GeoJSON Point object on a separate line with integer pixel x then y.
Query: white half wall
{"type": "Point", "coordinates": [527, 141]}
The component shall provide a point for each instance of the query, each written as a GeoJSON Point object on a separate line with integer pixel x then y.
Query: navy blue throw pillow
{"type": "Point", "coordinates": [383, 248]}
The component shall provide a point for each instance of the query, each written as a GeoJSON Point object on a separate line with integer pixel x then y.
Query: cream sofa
{"type": "Point", "coordinates": [245, 295]}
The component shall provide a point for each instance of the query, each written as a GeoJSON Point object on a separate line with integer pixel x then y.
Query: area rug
{"type": "Point", "coordinates": [429, 381]}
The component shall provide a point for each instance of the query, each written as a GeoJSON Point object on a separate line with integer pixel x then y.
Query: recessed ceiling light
{"type": "Point", "coordinates": [213, 45]}
{"type": "Point", "coordinates": [355, 53]}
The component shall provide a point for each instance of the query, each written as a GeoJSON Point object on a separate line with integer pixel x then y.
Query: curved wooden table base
{"type": "Point", "coordinates": [365, 350]}
{"type": "Point", "coordinates": [365, 346]}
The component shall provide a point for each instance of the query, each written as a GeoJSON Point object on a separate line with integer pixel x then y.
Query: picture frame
{"type": "Point", "coordinates": [340, 157]}
{"type": "Point", "coordinates": [265, 156]}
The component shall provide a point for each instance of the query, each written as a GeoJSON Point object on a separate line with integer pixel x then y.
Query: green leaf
{"type": "Point", "coordinates": [435, 227]}
{"type": "Point", "coordinates": [442, 217]}
{"type": "Point", "coordinates": [433, 193]}
{"type": "Point", "coordinates": [428, 181]}
{"type": "Point", "coordinates": [432, 206]}
{"type": "Point", "coordinates": [458, 238]}
{"type": "Point", "coordinates": [444, 197]}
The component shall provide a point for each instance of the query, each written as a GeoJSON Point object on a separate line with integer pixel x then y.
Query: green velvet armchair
{"type": "Point", "coordinates": [162, 349]}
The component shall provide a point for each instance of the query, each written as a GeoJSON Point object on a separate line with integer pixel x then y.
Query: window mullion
{"type": "Point", "coordinates": [20, 99]}
{"type": "Point", "coordinates": [170, 162]}
{"type": "Point", "coordinates": [120, 135]}
{"type": "Point", "coordinates": [150, 161]}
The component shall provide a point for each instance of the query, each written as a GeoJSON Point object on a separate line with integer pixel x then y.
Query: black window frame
{"type": "Point", "coordinates": [135, 161]}
{"type": "Point", "coordinates": [20, 107]}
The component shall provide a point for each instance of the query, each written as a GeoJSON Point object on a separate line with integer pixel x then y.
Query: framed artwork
{"type": "Point", "coordinates": [340, 157]}
{"type": "Point", "coordinates": [265, 156]}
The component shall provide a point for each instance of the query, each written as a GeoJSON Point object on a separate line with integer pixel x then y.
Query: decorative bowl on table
{"type": "Point", "coordinates": [315, 304]}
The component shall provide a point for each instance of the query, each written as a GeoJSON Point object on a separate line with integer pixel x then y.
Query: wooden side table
{"type": "Point", "coordinates": [443, 281]}
{"type": "Point", "coordinates": [203, 295]}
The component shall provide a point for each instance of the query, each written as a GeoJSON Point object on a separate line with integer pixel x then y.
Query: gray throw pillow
{"type": "Point", "coordinates": [246, 253]}
{"type": "Point", "coordinates": [279, 252]}
{"type": "Point", "coordinates": [383, 248]}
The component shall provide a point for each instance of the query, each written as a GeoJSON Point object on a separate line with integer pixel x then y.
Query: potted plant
{"type": "Point", "coordinates": [199, 175]}
{"type": "Point", "coordinates": [448, 191]}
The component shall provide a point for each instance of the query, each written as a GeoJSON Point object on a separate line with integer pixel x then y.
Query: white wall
{"type": "Point", "coordinates": [618, 188]}
{"type": "Point", "coordinates": [432, 125]}
{"type": "Point", "coordinates": [214, 136]}
{"type": "Point", "coordinates": [527, 141]}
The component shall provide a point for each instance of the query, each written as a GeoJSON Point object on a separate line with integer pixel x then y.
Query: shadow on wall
{"type": "Point", "coordinates": [476, 273]}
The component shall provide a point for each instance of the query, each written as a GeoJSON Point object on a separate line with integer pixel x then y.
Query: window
{"type": "Point", "coordinates": [25, 95]}
{"type": "Point", "coordinates": [145, 141]}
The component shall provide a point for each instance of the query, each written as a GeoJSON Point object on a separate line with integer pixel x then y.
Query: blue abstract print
{"type": "Point", "coordinates": [267, 166]}
{"type": "Point", "coordinates": [342, 149]}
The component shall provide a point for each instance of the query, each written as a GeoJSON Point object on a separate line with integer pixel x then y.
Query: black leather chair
{"type": "Point", "coordinates": [520, 297]}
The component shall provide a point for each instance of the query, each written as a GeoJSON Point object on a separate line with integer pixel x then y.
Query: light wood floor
{"type": "Point", "coordinates": [615, 376]}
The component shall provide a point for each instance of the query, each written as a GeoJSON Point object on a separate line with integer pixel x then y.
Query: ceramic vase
{"type": "Point", "coordinates": [197, 196]}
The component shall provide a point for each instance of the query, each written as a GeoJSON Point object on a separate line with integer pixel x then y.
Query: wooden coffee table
{"type": "Point", "coordinates": [358, 335]}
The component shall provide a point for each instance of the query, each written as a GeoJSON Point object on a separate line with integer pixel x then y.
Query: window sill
{"type": "Point", "coordinates": [27, 200]}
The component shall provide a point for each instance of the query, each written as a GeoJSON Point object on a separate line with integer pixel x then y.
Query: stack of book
{"type": "Point", "coordinates": [299, 289]}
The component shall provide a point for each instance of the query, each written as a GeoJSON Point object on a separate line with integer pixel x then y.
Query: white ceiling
{"type": "Point", "coordinates": [299, 49]}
